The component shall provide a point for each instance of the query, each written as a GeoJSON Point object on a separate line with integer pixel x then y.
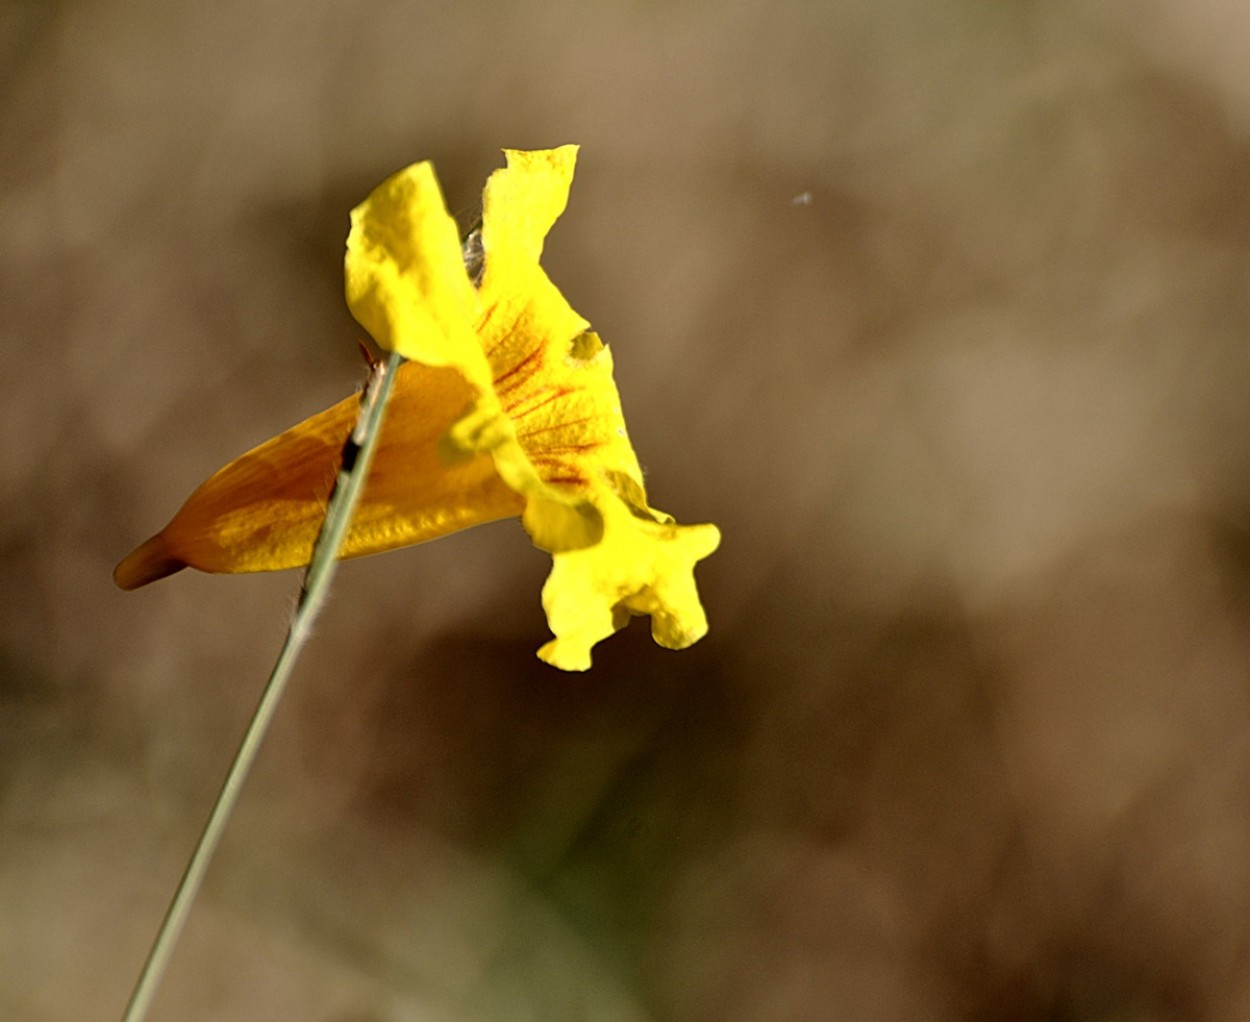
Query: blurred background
{"type": "Point", "coordinates": [939, 310]}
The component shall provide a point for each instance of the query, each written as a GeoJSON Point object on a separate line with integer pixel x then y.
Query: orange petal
{"type": "Point", "coordinates": [263, 510]}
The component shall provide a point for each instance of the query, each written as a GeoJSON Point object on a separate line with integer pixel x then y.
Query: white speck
{"type": "Point", "coordinates": [803, 199]}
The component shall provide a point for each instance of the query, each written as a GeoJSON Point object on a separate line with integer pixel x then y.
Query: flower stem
{"type": "Point", "coordinates": [354, 469]}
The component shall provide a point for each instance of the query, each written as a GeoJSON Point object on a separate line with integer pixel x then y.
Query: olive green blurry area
{"type": "Point", "coordinates": [937, 310]}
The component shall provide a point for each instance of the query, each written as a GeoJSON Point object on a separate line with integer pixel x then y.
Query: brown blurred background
{"type": "Point", "coordinates": [938, 309]}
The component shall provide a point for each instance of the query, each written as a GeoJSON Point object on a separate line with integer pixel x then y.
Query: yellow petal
{"type": "Point", "coordinates": [643, 565]}
{"type": "Point", "coordinates": [406, 282]}
{"type": "Point", "coordinates": [520, 204]}
{"type": "Point", "coordinates": [521, 307]}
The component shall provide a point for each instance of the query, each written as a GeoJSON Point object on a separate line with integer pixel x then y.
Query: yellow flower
{"type": "Point", "coordinates": [507, 407]}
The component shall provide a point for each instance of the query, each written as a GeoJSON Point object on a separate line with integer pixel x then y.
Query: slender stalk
{"type": "Point", "coordinates": [354, 469]}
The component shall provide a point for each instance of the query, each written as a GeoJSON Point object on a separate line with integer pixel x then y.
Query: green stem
{"type": "Point", "coordinates": [357, 457]}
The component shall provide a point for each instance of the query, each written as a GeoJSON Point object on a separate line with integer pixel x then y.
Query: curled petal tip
{"type": "Point", "coordinates": [565, 656]}
{"type": "Point", "coordinates": [147, 563]}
